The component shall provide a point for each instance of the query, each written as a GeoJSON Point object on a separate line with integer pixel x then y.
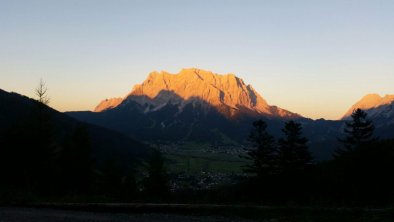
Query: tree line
{"type": "Point", "coordinates": [283, 170]}
{"type": "Point", "coordinates": [286, 156]}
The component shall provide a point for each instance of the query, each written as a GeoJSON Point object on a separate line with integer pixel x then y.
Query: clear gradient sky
{"type": "Point", "coordinates": [315, 58]}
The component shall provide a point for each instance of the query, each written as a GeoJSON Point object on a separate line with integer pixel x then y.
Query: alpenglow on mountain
{"type": "Point", "coordinates": [204, 107]}
{"type": "Point", "coordinates": [375, 105]}
{"type": "Point", "coordinates": [380, 110]}
{"type": "Point", "coordinates": [228, 94]}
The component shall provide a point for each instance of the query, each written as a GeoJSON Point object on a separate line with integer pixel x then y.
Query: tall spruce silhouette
{"type": "Point", "coordinates": [363, 164]}
{"type": "Point", "coordinates": [359, 132]}
{"type": "Point", "coordinates": [293, 153]}
{"type": "Point", "coordinates": [157, 182]}
{"type": "Point", "coordinates": [262, 153]}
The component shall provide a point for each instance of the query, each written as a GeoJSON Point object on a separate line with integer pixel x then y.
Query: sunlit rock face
{"type": "Point", "coordinates": [375, 105]}
{"type": "Point", "coordinates": [108, 104]}
{"type": "Point", "coordinates": [227, 93]}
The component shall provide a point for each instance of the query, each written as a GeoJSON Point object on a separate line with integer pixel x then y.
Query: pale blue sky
{"type": "Point", "coordinates": [312, 57]}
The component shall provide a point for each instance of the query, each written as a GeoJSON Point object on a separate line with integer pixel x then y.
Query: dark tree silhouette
{"type": "Point", "coordinates": [129, 185]}
{"type": "Point", "coordinates": [76, 163]}
{"type": "Point", "coordinates": [362, 161]}
{"type": "Point", "coordinates": [42, 93]}
{"type": "Point", "coordinates": [115, 180]}
{"type": "Point", "coordinates": [263, 152]}
{"type": "Point", "coordinates": [110, 179]}
{"type": "Point", "coordinates": [157, 182]}
{"type": "Point", "coordinates": [28, 151]}
{"type": "Point", "coordinates": [43, 144]}
{"type": "Point", "coordinates": [359, 132]}
{"type": "Point", "coordinates": [293, 151]}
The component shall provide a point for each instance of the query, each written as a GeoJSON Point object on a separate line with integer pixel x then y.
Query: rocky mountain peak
{"type": "Point", "coordinates": [228, 93]}
{"type": "Point", "coordinates": [370, 101]}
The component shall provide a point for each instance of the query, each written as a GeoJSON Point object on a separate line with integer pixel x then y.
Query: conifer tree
{"type": "Point", "coordinates": [157, 182]}
{"type": "Point", "coordinates": [293, 151]}
{"type": "Point", "coordinates": [262, 153]}
{"type": "Point", "coordinates": [359, 132]}
{"type": "Point", "coordinates": [358, 165]}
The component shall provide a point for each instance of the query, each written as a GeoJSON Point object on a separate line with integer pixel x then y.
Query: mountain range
{"type": "Point", "coordinates": [194, 105]}
{"type": "Point", "coordinates": [228, 94]}
{"type": "Point", "coordinates": [375, 105]}
{"type": "Point", "coordinates": [199, 105]}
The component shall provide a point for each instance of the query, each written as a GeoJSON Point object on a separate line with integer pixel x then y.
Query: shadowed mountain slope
{"type": "Point", "coordinates": [198, 105]}
{"type": "Point", "coordinates": [16, 110]}
{"type": "Point", "coordinates": [193, 105]}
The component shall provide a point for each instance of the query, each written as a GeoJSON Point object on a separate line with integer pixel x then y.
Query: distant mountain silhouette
{"type": "Point", "coordinates": [15, 110]}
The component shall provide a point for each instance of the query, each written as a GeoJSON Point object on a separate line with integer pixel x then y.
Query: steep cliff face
{"type": "Point", "coordinates": [227, 93]}
{"type": "Point", "coordinates": [375, 105]}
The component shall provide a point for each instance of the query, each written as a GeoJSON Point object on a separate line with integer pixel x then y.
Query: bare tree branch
{"type": "Point", "coordinates": [41, 93]}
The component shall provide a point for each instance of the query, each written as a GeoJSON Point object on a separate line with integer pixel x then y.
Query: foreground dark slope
{"type": "Point", "coordinates": [15, 110]}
